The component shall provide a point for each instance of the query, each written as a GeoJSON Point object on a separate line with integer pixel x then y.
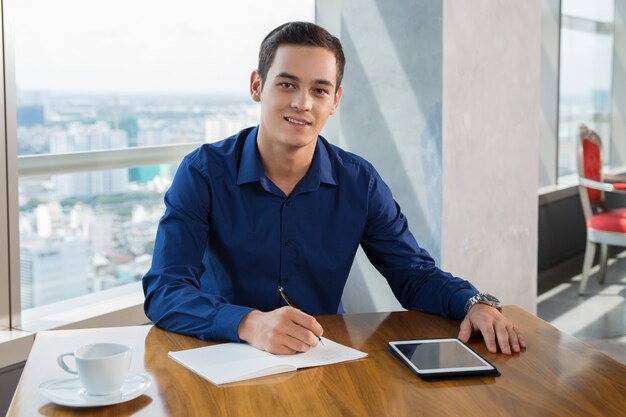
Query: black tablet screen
{"type": "Point", "coordinates": [439, 355]}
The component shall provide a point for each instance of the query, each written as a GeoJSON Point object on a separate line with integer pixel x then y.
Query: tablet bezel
{"type": "Point", "coordinates": [486, 369]}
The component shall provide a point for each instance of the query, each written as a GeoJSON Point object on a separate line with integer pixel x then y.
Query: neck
{"type": "Point", "coordinates": [285, 166]}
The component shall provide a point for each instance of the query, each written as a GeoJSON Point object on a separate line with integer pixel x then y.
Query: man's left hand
{"type": "Point", "coordinates": [493, 325]}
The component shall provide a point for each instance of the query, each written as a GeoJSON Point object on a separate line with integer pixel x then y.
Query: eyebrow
{"type": "Point", "coordinates": [297, 79]}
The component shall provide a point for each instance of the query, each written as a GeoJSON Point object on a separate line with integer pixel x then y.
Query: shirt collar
{"type": "Point", "coordinates": [251, 168]}
{"type": "Point", "coordinates": [327, 172]}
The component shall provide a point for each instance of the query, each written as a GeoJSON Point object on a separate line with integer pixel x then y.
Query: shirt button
{"type": "Point", "coordinates": [287, 203]}
{"type": "Point", "coordinates": [286, 280]}
{"type": "Point", "coordinates": [287, 242]}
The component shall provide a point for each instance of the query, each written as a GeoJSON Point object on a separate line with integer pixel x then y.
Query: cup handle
{"type": "Point", "coordinates": [63, 365]}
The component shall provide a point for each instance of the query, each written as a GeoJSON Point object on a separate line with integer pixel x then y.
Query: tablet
{"type": "Point", "coordinates": [441, 358]}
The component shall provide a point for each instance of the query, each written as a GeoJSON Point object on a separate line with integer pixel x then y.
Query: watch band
{"type": "Point", "coordinates": [483, 298]}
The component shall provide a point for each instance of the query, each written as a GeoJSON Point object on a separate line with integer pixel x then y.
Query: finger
{"type": "Point", "coordinates": [307, 335]}
{"type": "Point", "coordinates": [514, 339]}
{"type": "Point", "coordinates": [522, 341]}
{"type": "Point", "coordinates": [490, 338]}
{"type": "Point", "coordinates": [283, 339]}
{"type": "Point", "coordinates": [300, 338]}
{"type": "Point", "coordinates": [503, 338]}
{"type": "Point", "coordinates": [465, 331]}
{"type": "Point", "coordinates": [303, 335]}
{"type": "Point", "coordinates": [282, 350]}
{"type": "Point", "coordinates": [308, 322]}
{"type": "Point", "coordinates": [297, 344]}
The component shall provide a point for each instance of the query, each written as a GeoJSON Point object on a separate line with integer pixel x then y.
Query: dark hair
{"type": "Point", "coordinates": [299, 34]}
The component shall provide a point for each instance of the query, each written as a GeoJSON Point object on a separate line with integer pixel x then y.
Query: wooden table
{"type": "Point", "coordinates": [556, 376]}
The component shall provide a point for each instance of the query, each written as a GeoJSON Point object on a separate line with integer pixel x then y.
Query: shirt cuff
{"type": "Point", "coordinates": [458, 302]}
{"type": "Point", "coordinates": [229, 316]}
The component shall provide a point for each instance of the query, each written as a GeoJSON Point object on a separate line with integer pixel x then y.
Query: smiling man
{"type": "Point", "coordinates": [278, 206]}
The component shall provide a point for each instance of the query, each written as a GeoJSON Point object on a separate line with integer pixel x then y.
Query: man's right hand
{"type": "Point", "coordinates": [283, 331]}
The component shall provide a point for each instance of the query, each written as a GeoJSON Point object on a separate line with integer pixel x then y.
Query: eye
{"type": "Point", "coordinates": [320, 91]}
{"type": "Point", "coordinates": [286, 85]}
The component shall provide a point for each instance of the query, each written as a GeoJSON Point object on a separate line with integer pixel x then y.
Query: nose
{"type": "Point", "coordinates": [302, 101]}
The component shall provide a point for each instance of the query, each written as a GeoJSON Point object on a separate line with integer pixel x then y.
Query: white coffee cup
{"type": "Point", "coordinates": [101, 367]}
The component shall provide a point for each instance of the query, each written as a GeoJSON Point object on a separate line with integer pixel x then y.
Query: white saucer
{"type": "Point", "coordinates": [71, 393]}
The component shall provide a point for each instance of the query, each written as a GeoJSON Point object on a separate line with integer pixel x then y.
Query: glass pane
{"type": "Point", "coordinates": [79, 233]}
{"type": "Point", "coordinates": [585, 93]}
{"type": "Point", "coordinates": [600, 10]}
{"type": "Point", "coordinates": [119, 74]}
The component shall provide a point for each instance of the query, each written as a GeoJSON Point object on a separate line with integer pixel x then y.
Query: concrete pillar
{"type": "Point", "coordinates": [491, 78]}
{"type": "Point", "coordinates": [481, 60]}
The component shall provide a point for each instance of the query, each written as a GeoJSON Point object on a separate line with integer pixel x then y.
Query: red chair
{"type": "Point", "coordinates": [604, 226]}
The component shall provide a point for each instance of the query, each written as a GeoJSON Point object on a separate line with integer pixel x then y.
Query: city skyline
{"type": "Point", "coordinates": [112, 214]}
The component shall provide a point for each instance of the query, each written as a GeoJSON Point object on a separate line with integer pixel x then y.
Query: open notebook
{"type": "Point", "coordinates": [231, 362]}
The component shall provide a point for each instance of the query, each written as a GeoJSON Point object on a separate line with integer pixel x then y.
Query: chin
{"type": "Point", "coordinates": [300, 142]}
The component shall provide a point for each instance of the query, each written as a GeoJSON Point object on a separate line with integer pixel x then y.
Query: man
{"type": "Point", "coordinates": [277, 205]}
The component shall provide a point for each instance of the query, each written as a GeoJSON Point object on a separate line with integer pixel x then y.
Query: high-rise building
{"type": "Point", "coordinates": [49, 220]}
{"type": "Point", "coordinates": [222, 125]}
{"type": "Point", "coordinates": [79, 137]}
{"type": "Point", "coordinates": [54, 269]}
{"type": "Point", "coordinates": [100, 227]}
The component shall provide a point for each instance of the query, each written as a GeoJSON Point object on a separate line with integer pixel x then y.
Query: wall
{"type": "Point", "coordinates": [491, 77]}
{"type": "Point", "coordinates": [465, 176]}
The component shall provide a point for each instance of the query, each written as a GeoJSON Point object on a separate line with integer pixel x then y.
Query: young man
{"type": "Point", "coordinates": [277, 205]}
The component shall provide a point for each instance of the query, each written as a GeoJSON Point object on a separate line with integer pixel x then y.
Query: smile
{"type": "Point", "coordinates": [297, 122]}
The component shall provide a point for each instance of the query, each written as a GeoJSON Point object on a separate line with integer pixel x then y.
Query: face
{"type": "Point", "coordinates": [297, 97]}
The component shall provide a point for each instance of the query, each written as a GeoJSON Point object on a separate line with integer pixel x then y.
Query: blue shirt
{"type": "Point", "coordinates": [229, 237]}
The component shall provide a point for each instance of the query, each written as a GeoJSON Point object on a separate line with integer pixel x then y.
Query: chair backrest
{"type": "Point", "coordinates": [590, 167]}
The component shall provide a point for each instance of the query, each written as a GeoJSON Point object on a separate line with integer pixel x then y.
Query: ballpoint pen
{"type": "Point", "coordinates": [291, 303]}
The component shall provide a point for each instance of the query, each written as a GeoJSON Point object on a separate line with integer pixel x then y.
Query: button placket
{"type": "Point", "coordinates": [287, 246]}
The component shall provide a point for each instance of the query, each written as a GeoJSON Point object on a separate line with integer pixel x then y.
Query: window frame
{"type": "Point", "coordinates": [10, 191]}
{"type": "Point", "coordinates": [5, 288]}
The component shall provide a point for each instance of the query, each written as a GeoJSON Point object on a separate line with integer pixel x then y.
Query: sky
{"type": "Point", "coordinates": [119, 46]}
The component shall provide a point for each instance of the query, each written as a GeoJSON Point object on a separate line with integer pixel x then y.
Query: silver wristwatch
{"type": "Point", "coordinates": [483, 298]}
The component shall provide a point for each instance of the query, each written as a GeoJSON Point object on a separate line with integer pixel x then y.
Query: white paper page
{"type": "Point", "coordinates": [230, 362]}
{"type": "Point", "coordinates": [218, 354]}
{"type": "Point", "coordinates": [224, 362]}
{"type": "Point", "coordinates": [223, 373]}
{"type": "Point", "coordinates": [323, 354]}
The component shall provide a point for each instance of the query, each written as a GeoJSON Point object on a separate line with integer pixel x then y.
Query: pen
{"type": "Point", "coordinates": [291, 303]}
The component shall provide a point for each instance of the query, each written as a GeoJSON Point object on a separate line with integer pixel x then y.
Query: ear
{"type": "Point", "coordinates": [256, 85]}
{"type": "Point", "coordinates": [337, 99]}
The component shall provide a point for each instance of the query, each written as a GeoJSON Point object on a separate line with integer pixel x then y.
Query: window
{"type": "Point", "coordinates": [586, 67]}
{"type": "Point", "coordinates": [110, 95]}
